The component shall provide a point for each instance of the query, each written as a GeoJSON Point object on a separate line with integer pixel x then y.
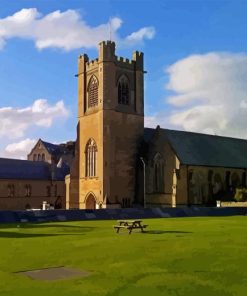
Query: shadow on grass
{"type": "Point", "coordinates": [6, 234]}
{"type": "Point", "coordinates": [42, 225]}
{"type": "Point", "coordinates": [18, 233]}
{"type": "Point", "coordinates": [165, 232]}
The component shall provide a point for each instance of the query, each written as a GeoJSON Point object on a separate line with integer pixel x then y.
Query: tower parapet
{"type": "Point", "coordinates": [111, 112]}
{"type": "Point", "coordinates": [82, 60]}
{"type": "Point", "coordinates": [107, 51]}
{"type": "Point", "coordinates": [138, 58]}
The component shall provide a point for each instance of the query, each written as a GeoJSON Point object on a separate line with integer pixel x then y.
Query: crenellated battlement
{"type": "Point", "coordinates": [139, 53]}
{"type": "Point", "coordinates": [138, 57]}
{"type": "Point", "coordinates": [124, 60]}
{"type": "Point", "coordinates": [107, 54]}
{"type": "Point", "coordinates": [107, 51]}
{"type": "Point", "coordinates": [92, 64]}
{"type": "Point", "coordinates": [107, 43]}
{"type": "Point", "coordinates": [137, 61]}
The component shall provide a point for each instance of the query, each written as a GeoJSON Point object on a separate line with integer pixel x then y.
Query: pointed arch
{"type": "Point", "coordinates": [158, 164]}
{"type": "Point", "coordinates": [90, 201]}
{"type": "Point", "coordinates": [92, 89]}
{"type": "Point", "coordinates": [91, 158]}
{"type": "Point", "coordinates": [123, 90]}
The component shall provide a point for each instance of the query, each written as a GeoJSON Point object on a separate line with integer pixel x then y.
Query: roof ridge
{"type": "Point", "coordinates": [49, 143]}
{"type": "Point", "coordinates": [202, 134]}
{"type": "Point", "coordinates": [24, 160]}
{"type": "Point", "coordinates": [150, 128]}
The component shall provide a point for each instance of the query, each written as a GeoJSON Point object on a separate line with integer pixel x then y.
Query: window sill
{"type": "Point", "coordinates": [90, 178]}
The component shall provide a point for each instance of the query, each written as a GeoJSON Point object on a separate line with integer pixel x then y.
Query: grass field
{"type": "Point", "coordinates": [178, 256]}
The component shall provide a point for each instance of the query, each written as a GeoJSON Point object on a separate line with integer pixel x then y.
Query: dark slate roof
{"type": "Point", "coordinates": [207, 150]}
{"type": "Point", "coordinates": [148, 133]}
{"type": "Point", "coordinates": [30, 170]}
{"type": "Point", "coordinates": [52, 148]}
{"type": "Point", "coordinates": [59, 173]}
{"type": "Point", "coordinates": [60, 149]}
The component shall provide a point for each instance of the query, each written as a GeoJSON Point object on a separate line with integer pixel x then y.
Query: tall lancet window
{"type": "Point", "coordinates": [91, 158]}
{"type": "Point", "coordinates": [123, 91]}
{"type": "Point", "coordinates": [158, 174]}
{"type": "Point", "coordinates": [93, 92]}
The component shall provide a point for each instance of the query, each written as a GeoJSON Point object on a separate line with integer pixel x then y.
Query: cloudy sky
{"type": "Point", "coordinates": [195, 56]}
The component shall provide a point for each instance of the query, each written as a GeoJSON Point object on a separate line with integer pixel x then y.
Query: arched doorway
{"type": "Point", "coordinates": [90, 202]}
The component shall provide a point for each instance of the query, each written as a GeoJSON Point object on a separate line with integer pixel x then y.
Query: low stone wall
{"type": "Point", "coordinates": [233, 204]}
{"type": "Point", "coordinates": [115, 214]}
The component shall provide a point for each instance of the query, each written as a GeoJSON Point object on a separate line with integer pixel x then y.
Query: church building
{"type": "Point", "coordinates": [116, 161]}
{"type": "Point", "coordinates": [119, 163]}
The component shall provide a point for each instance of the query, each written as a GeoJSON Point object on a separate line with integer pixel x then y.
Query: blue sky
{"type": "Point", "coordinates": [195, 55]}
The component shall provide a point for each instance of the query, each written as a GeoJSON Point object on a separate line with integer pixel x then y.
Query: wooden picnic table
{"type": "Point", "coordinates": [130, 225]}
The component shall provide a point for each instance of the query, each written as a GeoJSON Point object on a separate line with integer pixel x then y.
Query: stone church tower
{"type": "Point", "coordinates": [109, 132]}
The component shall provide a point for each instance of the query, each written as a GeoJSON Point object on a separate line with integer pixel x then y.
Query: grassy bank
{"type": "Point", "coordinates": [179, 256]}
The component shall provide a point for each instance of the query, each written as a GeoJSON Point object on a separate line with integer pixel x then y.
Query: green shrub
{"type": "Point", "coordinates": [241, 194]}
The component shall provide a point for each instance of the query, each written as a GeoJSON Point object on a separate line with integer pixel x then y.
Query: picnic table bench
{"type": "Point", "coordinates": [130, 225]}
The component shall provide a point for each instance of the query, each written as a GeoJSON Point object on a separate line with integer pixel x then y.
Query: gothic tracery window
{"type": "Point", "coordinates": [123, 91]}
{"type": "Point", "coordinates": [93, 92]}
{"type": "Point", "coordinates": [90, 155]}
{"type": "Point", "coordinates": [158, 173]}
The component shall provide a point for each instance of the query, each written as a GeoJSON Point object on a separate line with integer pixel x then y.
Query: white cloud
{"type": "Point", "coordinates": [140, 35]}
{"type": "Point", "coordinates": [65, 30]}
{"type": "Point", "coordinates": [14, 122]}
{"type": "Point", "coordinates": [210, 94]}
{"type": "Point", "coordinates": [19, 149]}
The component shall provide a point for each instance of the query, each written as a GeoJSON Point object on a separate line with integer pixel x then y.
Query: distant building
{"type": "Point", "coordinates": [52, 153]}
{"type": "Point", "coordinates": [26, 184]}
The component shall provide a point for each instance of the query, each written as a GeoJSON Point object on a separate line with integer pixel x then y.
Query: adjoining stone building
{"type": "Point", "coordinates": [53, 153]}
{"type": "Point", "coordinates": [114, 150]}
{"type": "Point", "coordinates": [27, 184]}
{"type": "Point", "coordinates": [185, 168]}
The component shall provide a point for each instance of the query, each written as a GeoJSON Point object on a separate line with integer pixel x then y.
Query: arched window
{"type": "Point", "coordinates": [43, 157]}
{"type": "Point", "coordinates": [11, 190]}
{"type": "Point", "coordinates": [93, 92]}
{"type": "Point", "coordinates": [39, 157]}
{"type": "Point", "coordinates": [217, 184]}
{"type": "Point", "coordinates": [123, 91]}
{"type": "Point", "coordinates": [90, 156]}
{"type": "Point", "coordinates": [158, 173]}
{"type": "Point", "coordinates": [35, 157]}
{"type": "Point", "coordinates": [28, 190]}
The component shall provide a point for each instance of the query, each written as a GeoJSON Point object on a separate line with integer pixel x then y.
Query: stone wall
{"type": "Point", "coordinates": [208, 184]}
{"type": "Point", "coordinates": [40, 190]}
{"type": "Point", "coordinates": [233, 204]}
{"type": "Point", "coordinates": [114, 214]}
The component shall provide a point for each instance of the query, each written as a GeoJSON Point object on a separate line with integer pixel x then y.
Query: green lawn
{"type": "Point", "coordinates": [178, 256]}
